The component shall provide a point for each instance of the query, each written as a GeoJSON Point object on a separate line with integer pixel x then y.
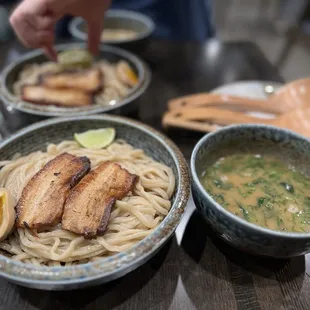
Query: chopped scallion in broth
{"type": "Point", "coordinates": [262, 190]}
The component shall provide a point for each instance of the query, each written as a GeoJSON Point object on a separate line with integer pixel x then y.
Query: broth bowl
{"type": "Point", "coordinates": [36, 137]}
{"type": "Point", "coordinates": [288, 147]}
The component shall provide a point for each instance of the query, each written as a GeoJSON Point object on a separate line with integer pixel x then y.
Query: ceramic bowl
{"type": "Point", "coordinates": [160, 148]}
{"type": "Point", "coordinates": [288, 147]}
{"type": "Point", "coordinates": [110, 53]}
{"type": "Point", "coordinates": [119, 19]}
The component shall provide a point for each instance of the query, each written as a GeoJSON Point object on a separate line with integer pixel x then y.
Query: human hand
{"type": "Point", "coordinates": [34, 21]}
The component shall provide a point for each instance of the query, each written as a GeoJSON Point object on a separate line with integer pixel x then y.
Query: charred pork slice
{"type": "Point", "coordinates": [60, 97]}
{"type": "Point", "coordinates": [88, 81]}
{"type": "Point", "coordinates": [88, 206]}
{"type": "Point", "coordinates": [42, 201]}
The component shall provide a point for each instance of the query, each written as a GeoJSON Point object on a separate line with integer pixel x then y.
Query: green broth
{"type": "Point", "coordinates": [262, 190]}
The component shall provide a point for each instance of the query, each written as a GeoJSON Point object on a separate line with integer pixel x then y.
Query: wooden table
{"type": "Point", "coordinates": [195, 270]}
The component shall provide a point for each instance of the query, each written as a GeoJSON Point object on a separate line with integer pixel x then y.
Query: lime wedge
{"type": "Point", "coordinates": [72, 59]}
{"type": "Point", "coordinates": [95, 139]}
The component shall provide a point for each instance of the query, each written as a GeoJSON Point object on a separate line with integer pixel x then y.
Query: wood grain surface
{"type": "Point", "coordinates": [195, 270]}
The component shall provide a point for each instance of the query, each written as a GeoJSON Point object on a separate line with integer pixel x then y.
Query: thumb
{"type": "Point", "coordinates": [94, 35]}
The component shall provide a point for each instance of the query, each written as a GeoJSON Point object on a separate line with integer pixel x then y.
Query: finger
{"type": "Point", "coordinates": [50, 52]}
{"type": "Point", "coordinates": [17, 21]}
{"type": "Point", "coordinates": [31, 34]}
{"type": "Point", "coordinates": [94, 34]}
{"type": "Point", "coordinates": [38, 39]}
{"type": "Point", "coordinates": [45, 22]}
{"type": "Point", "coordinates": [25, 34]}
{"type": "Point", "coordinates": [42, 38]}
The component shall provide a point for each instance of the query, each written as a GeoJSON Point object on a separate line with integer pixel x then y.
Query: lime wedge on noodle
{"type": "Point", "coordinates": [95, 139]}
{"type": "Point", "coordinates": [75, 59]}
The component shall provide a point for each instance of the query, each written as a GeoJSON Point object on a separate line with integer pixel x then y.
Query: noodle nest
{"type": "Point", "coordinates": [132, 219]}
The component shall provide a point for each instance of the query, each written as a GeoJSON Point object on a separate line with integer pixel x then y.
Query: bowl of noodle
{"type": "Point", "coordinates": [123, 78]}
{"type": "Point", "coordinates": [57, 257]}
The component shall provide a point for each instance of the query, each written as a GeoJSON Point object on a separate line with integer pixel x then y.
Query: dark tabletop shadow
{"type": "Point", "coordinates": [135, 287]}
{"type": "Point", "coordinates": [199, 239]}
{"type": "Point", "coordinates": [219, 268]}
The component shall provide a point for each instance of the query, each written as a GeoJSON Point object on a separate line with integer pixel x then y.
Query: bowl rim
{"type": "Point", "coordinates": [11, 100]}
{"type": "Point", "coordinates": [196, 180]}
{"type": "Point", "coordinates": [116, 13]}
{"type": "Point", "coordinates": [122, 262]}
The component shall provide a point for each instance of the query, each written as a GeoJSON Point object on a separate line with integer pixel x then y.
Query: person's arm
{"type": "Point", "coordinates": [34, 21]}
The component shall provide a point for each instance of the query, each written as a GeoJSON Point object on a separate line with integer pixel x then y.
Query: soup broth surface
{"type": "Point", "coordinates": [262, 190]}
{"type": "Point", "coordinates": [118, 34]}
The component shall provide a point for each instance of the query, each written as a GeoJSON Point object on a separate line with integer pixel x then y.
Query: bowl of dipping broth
{"type": "Point", "coordinates": [122, 28]}
{"type": "Point", "coordinates": [252, 185]}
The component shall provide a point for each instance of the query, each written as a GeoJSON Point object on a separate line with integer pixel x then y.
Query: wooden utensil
{"type": "Point", "coordinates": [292, 95]}
{"type": "Point", "coordinates": [297, 120]}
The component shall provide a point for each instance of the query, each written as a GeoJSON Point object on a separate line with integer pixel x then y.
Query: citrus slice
{"type": "Point", "coordinates": [75, 59]}
{"type": "Point", "coordinates": [126, 74]}
{"type": "Point", "coordinates": [95, 139]}
{"type": "Point", "coordinates": [132, 77]}
{"type": "Point", "coordinates": [7, 213]}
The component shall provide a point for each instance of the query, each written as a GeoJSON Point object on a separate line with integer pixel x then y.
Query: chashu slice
{"type": "Point", "coordinates": [60, 97]}
{"type": "Point", "coordinates": [42, 200]}
{"type": "Point", "coordinates": [88, 81]}
{"type": "Point", "coordinates": [88, 206]}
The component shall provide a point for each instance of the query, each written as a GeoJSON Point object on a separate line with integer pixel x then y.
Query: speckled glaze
{"type": "Point", "coordinates": [288, 147]}
{"type": "Point", "coordinates": [110, 53]}
{"type": "Point", "coordinates": [36, 137]}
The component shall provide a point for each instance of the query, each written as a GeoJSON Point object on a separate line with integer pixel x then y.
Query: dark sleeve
{"type": "Point", "coordinates": [62, 27]}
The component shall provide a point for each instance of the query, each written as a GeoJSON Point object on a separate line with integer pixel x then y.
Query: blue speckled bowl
{"type": "Point", "coordinates": [36, 137]}
{"type": "Point", "coordinates": [288, 147]}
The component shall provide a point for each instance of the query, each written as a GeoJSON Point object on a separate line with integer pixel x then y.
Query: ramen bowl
{"type": "Point", "coordinates": [135, 22]}
{"type": "Point", "coordinates": [109, 53]}
{"type": "Point", "coordinates": [288, 147]}
{"type": "Point", "coordinates": [36, 137]}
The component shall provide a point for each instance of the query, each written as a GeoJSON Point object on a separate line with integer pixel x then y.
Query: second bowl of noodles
{"type": "Point", "coordinates": [87, 215]}
{"type": "Point", "coordinates": [37, 86]}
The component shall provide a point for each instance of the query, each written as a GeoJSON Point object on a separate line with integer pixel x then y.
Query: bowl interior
{"type": "Point", "coordinates": [120, 22]}
{"type": "Point", "coordinates": [286, 146]}
{"type": "Point", "coordinates": [12, 76]}
{"type": "Point", "coordinates": [39, 138]}
{"type": "Point", "coordinates": [125, 22]}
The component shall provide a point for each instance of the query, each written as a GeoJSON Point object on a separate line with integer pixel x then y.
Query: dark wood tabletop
{"type": "Point", "coordinates": [195, 270]}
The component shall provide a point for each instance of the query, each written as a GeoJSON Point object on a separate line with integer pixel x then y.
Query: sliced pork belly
{"type": "Point", "coordinates": [88, 81]}
{"type": "Point", "coordinates": [42, 201]}
{"type": "Point", "coordinates": [60, 97]}
{"type": "Point", "coordinates": [88, 206]}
